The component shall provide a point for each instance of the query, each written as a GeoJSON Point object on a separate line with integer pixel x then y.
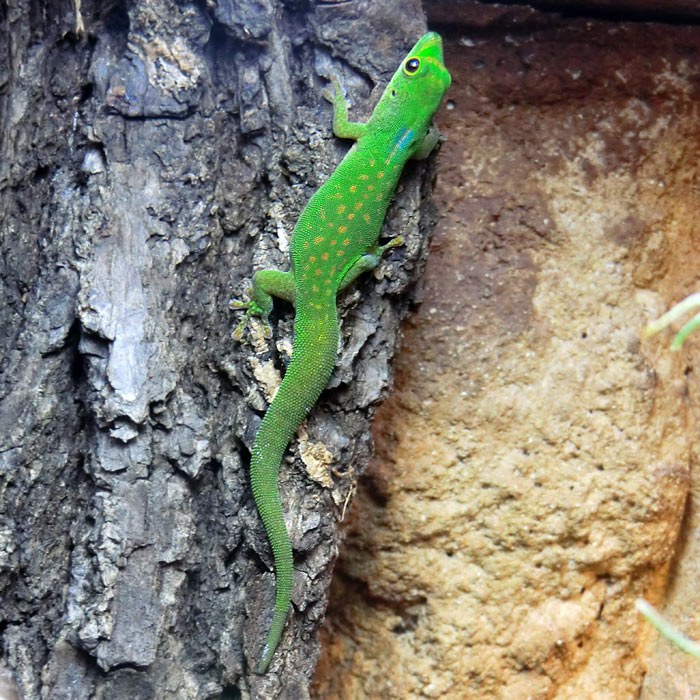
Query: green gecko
{"type": "Point", "coordinates": [333, 243]}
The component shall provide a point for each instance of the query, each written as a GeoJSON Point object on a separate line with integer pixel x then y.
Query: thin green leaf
{"type": "Point", "coordinates": [667, 629]}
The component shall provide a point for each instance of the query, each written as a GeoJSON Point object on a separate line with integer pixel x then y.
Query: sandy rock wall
{"type": "Point", "coordinates": [535, 461]}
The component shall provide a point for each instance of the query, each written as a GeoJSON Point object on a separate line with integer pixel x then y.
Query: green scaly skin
{"type": "Point", "coordinates": [335, 241]}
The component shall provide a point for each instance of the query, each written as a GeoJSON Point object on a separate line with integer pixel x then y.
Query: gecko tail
{"type": "Point", "coordinates": [284, 572]}
{"type": "Point", "coordinates": [313, 359]}
{"type": "Point", "coordinates": [273, 639]}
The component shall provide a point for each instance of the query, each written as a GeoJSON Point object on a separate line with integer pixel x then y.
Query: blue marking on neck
{"type": "Point", "coordinates": [403, 138]}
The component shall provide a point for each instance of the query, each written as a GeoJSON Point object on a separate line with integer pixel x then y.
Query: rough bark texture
{"type": "Point", "coordinates": [535, 467]}
{"type": "Point", "coordinates": [152, 155]}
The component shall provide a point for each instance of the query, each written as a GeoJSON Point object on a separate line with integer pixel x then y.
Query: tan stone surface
{"type": "Point", "coordinates": [534, 460]}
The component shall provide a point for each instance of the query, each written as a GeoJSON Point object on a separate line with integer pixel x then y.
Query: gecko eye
{"type": "Point", "coordinates": [411, 66]}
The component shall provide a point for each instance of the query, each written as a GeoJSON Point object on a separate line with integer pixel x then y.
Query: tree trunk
{"type": "Point", "coordinates": [152, 155]}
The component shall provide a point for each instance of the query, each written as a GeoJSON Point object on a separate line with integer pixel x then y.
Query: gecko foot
{"type": "Point", "coordinates": [251, 309]}
{"type": "Point", "coordinates": [398, 240]}
{"type": "Point", "coordinates": [337, 90]}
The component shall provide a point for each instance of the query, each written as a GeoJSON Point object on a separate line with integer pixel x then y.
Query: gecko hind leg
{"type": "Point", "coordinates": [367, 262]}
{"type": "Point", "coordinates": [266, 284]}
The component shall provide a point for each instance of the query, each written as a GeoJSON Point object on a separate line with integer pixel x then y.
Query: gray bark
{"type": "Point", "coordinates": [152, 155]}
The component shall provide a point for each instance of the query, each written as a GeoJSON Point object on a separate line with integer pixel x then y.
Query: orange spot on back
{"type": "Point", "coordinates": [370, 187]}
{"type": "Point", "coordinates": [364, 177]}
{"type": "Point", "coordinates": [327, 281]}
{"type": "Point", "coordinates": [314, 288]}
{"type": "Point", "coordinates": [341, 209]}
{"type": "Point", "coordinates": [380, 173]}
{"type": "Point", "coordinates": [341, 252]}
{"type": "Point", "coordinates": [318, 270]}
{"type": "Point", "coordinates": [346, 241]}
{"type": "Point", "coordinates": [358, 205]}
{"type": "Point", "coordinates": [366, 218]}
{"type": "Point", "coordinates": [371, 162]}
{"type": "Point", "coordinates": [351, 216]}
{"type": "Point", "coordinates": [342, 229]}
{"type": "Point", "coordinates": [324, 256]}
{"type": "Point", "coordinates": [353, 188]}
{"type": "Point", "coordinates": [318, 239]}
{"type": "Point", "coordinates": [312, 259]}
{"type": "Point", "coordinates": [379, 196]}
{"type": "Point", "coordinates": [333, 242]}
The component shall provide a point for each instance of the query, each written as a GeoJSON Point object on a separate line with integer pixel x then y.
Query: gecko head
{"type": "Point", "coordinates": [425, 60]}
{"type": "Point", "coordinates": [420, 82]}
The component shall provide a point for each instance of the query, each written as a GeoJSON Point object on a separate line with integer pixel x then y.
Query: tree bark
{"type": "Point", "coordinates": [152, 155]}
